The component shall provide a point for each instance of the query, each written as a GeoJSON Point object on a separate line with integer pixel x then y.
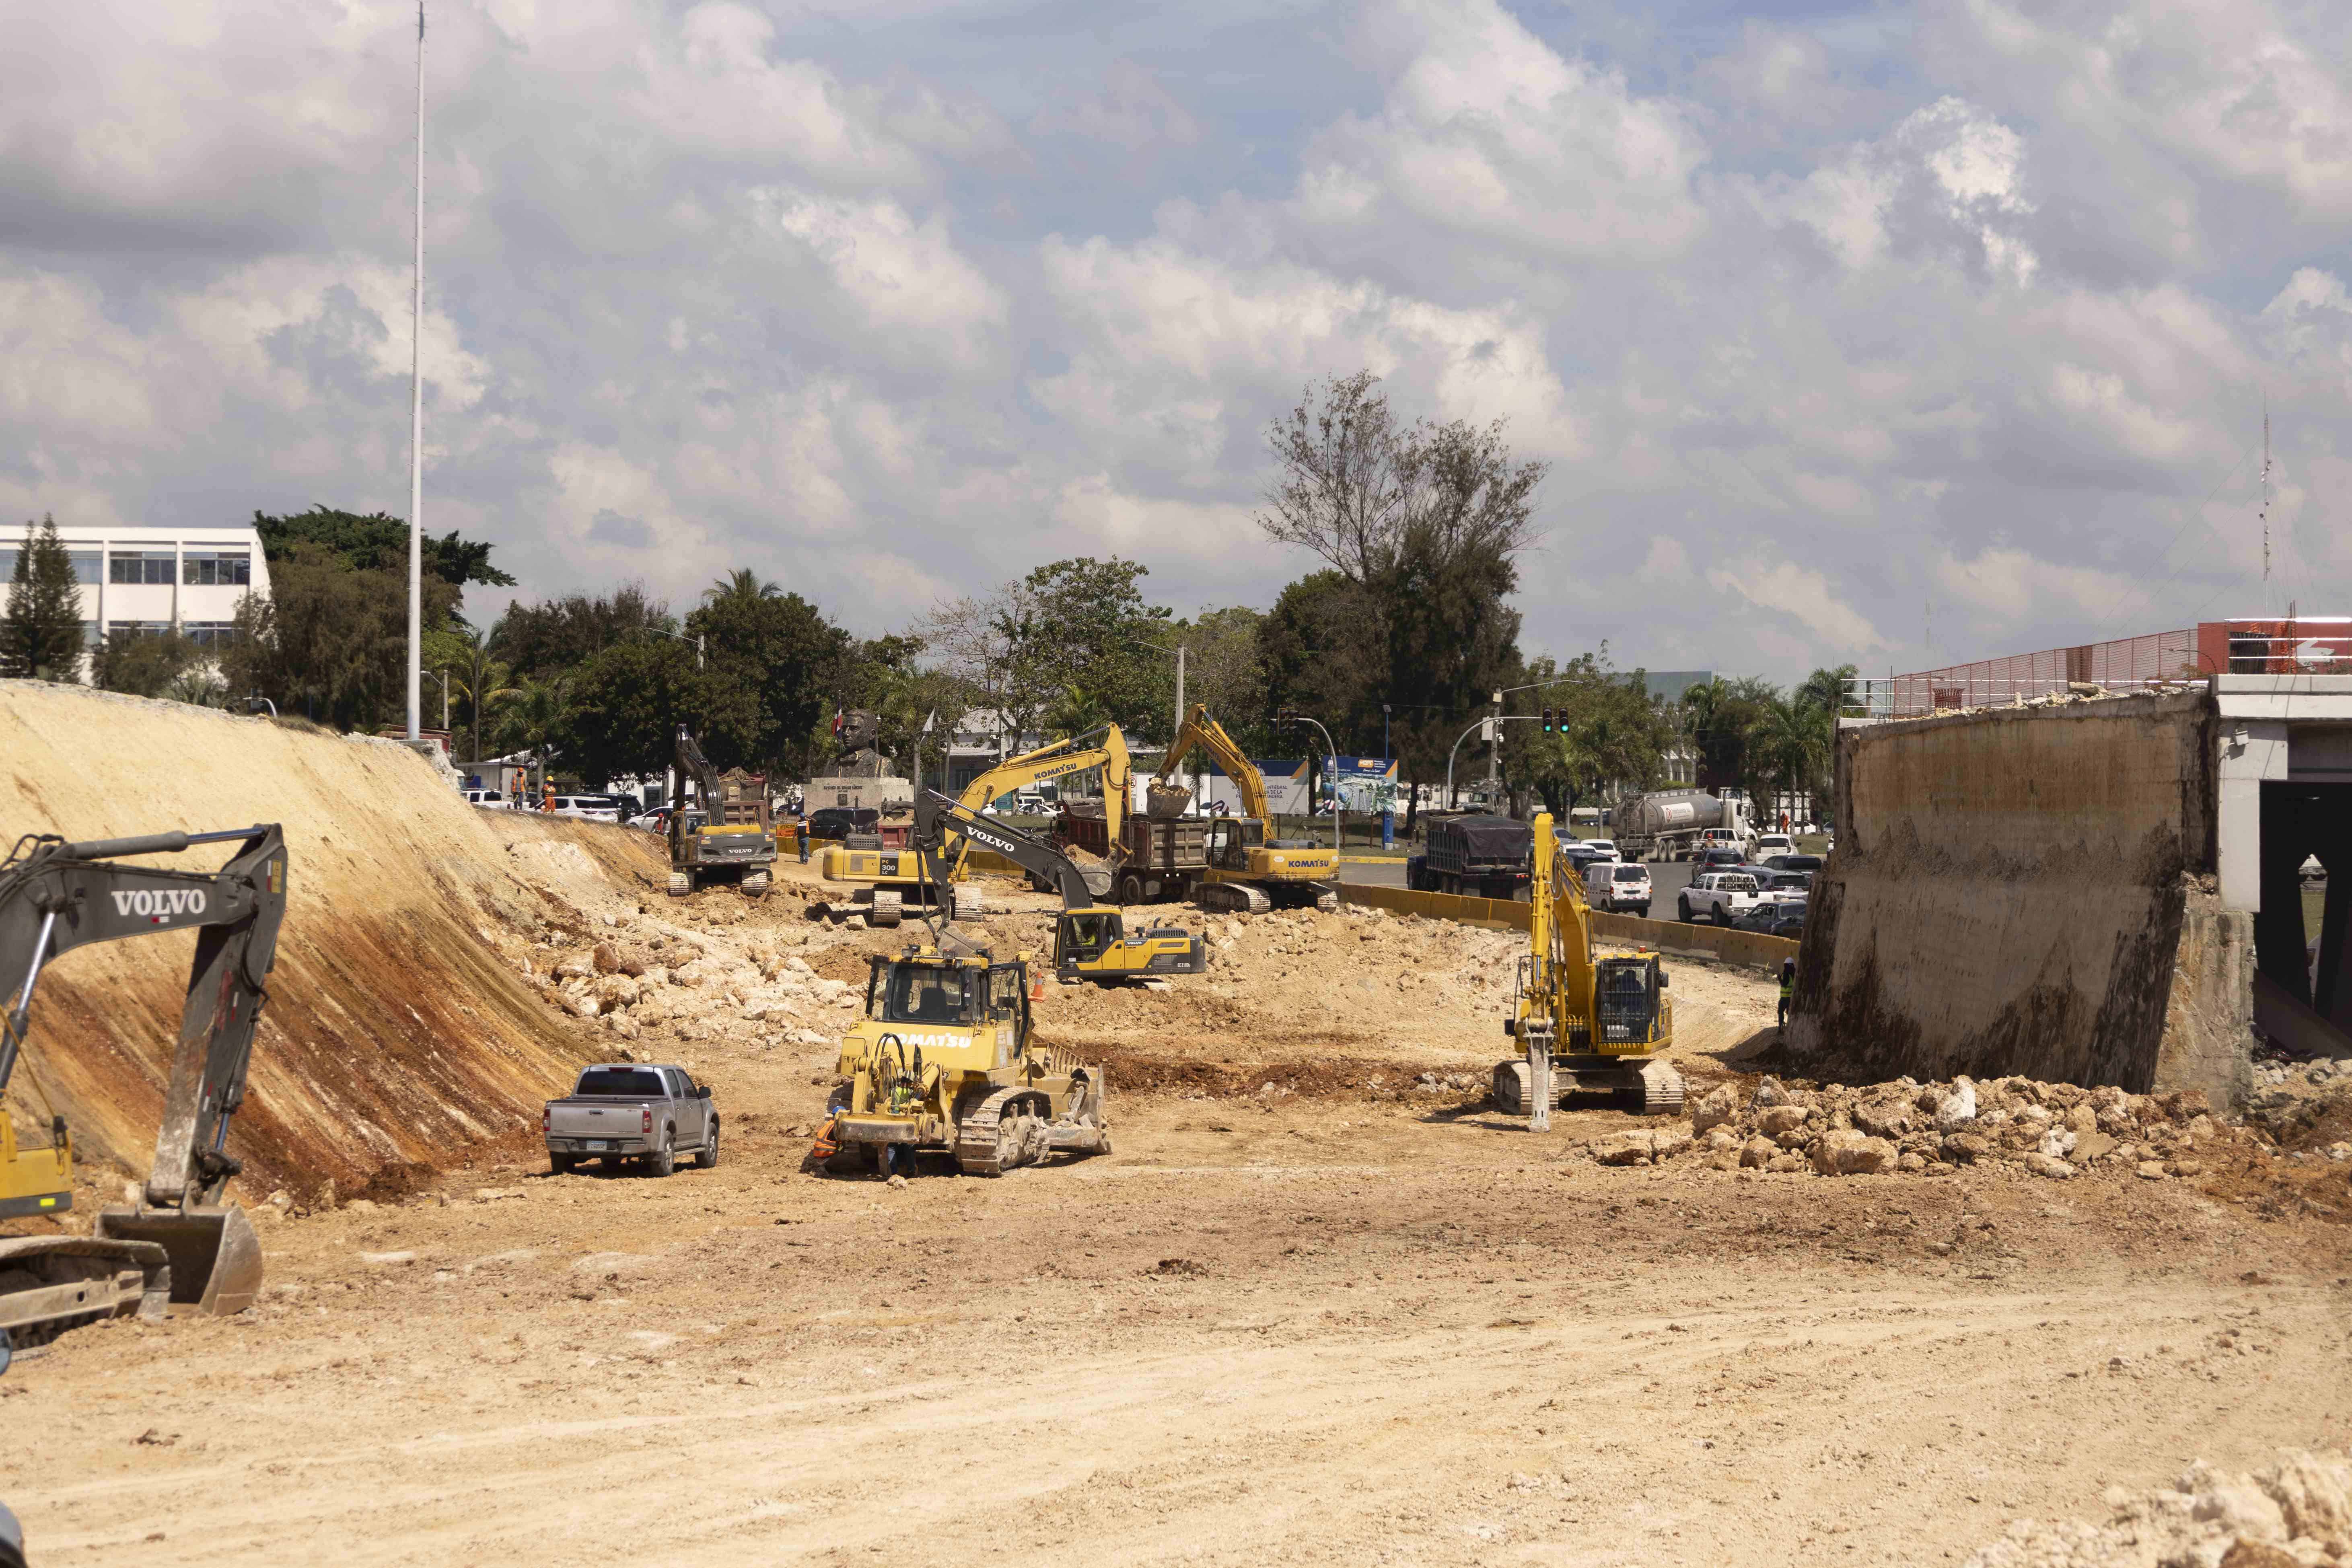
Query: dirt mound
{"type": "Point", "coordinates": [397, 1034]}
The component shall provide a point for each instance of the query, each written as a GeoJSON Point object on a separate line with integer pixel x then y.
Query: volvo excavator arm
{"type": "Point", "coordinates": [937, 818]}
{"type": "Point", "coordinates": [1057, 760]}
{"type": "Point", "coordinates": [175, 1242]}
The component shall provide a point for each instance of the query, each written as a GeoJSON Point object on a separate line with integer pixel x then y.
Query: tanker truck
{"type": "Point", "coordinates": [1672, 823]}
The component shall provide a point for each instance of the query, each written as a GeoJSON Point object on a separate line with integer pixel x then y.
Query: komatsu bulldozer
{"type": "Point", "coordinates": [1249, 870]}
{"type": "Point", "coordinates": [177, 1242]}
{"type": "Point", "coordinates": [1581, 1025]}
{"type": "Point", "coordinates": [944, 1062]}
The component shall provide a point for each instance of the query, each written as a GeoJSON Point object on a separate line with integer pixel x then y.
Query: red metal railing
{"type": "Point", "coordinates": [2305, 645]}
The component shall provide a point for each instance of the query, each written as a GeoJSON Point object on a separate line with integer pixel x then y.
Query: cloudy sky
{"type": "Point", "coordinates": [1891, 334]}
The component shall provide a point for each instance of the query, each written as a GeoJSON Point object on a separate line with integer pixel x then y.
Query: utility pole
{"type": "Point", "coordinates": [1494, 747]}
{"type": "Point", "coordinates": [444, 700]}
{"type": "Point", "coordinates": [416, 415]}
{"type": "Point", "coordinates": [1180, 716]}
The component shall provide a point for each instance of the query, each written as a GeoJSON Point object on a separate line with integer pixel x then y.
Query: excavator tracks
{"type": "Point", "coordinates": [1656, 1084]}
{"type": "Point", "coordinates": [1661, 1089]}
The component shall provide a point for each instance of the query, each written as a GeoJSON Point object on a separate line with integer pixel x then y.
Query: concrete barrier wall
{"type": "Point", "coordinates": [1751, 950]}
{"type": "Point", "coordinates": [2009, 895]}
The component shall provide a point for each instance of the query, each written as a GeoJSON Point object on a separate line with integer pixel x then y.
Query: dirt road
{"type": "Point", "coordinates": [1331, 1331]}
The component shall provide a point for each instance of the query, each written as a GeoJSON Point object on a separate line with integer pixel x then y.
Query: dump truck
{"type": "Point", "coordinates": [177, 1241]}
{"type": "Point", "coordinates": [1148, 858]}
{"type": "Point", "coordinates": [1484, 857]}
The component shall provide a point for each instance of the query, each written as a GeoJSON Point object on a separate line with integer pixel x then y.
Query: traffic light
{"type": "Point", "coordinates": [1548, 721]}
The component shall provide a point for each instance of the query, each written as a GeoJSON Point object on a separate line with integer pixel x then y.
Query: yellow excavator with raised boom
{"type": "Point", "coordinates": [177, 1241]}
{"type": "Point", "coordinates": [896, 873]}
{"type": "Point", "coordinates": [1581, 1025]}
{"type": "Point", "coordinates": [1249, 869]}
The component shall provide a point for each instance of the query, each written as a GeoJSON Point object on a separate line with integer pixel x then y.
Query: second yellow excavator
{"type": "Point", "coordinates": [1582, 1024]}
{"type": "Point", "coordinates": [1249, 869]}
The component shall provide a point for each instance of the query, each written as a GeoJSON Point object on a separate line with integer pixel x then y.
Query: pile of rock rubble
{"type": "Point", "coordinates": [2296, 1513]}
{"type": "Point", "coordinates": [654, 974]}
{"type": "Point", "coordinates": [2054, 1130]}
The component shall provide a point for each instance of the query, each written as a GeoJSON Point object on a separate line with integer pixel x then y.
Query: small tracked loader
{"type": "Point", "coordinates": [1581, 1025]}
{"type": "Point", "coordinates": [178, 1242]}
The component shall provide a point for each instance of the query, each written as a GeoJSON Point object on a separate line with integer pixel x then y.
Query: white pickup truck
{"type": "Point", "coordinates": [1721, 897]}
{"type": "Point", "coordinates": [624, 1111]}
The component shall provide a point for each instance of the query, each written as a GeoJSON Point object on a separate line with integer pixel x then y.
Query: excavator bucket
{"type": "Point", "coordinates": [215, 1257]}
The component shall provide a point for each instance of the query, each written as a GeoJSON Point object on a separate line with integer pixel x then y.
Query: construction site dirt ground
{"type": "Point", "coordinates": [1312, 1309]}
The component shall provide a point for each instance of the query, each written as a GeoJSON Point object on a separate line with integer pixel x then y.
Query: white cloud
{"type": "Point", "coordinates": [1487, 131]}
{"type": "Point", "coordinates": [1833, 630]}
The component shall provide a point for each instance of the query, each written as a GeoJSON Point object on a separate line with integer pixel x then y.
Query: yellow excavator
{"type": "Point", "coordinates": [1581, 1025]}
{"type": "Point", "coordinates": [727, 835]}
{"type": "Point", "coordinates": [1249, 870]}
{"type": "Point", "coordinates": [177, 1242]}
{"type": "Point", "coordinates": [895, 874]}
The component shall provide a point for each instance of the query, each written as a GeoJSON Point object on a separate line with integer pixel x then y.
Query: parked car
{"type": "Point", "coordinates": [488, 799]}
{"type": "Point", "coordinates": [1786, 890]}
{"type": "Point", "coordinates": [1617, 886]}
{"type": "Point", "coordinates": [1716, 859]}
{"type": "Point", "coordinates": [840, 821]}
{"type": "Point", "coordinates": [1721, 897]}
{"type": "Point", "coordinates": [1606, 849]}
{"type": "Point", "coordinates": [1767, 845]}
{"type": "Point", "coordinates": [585, 808]}
{"type": "Point", "coordinates": [621, 1111]}
{"type": "Point", "coordinates": [1808, 864]}
{"type": "Point", "coordinates": [1769, 920]}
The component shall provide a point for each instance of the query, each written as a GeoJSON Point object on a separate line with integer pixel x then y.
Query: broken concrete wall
{"type": "Point", "coordinates": [2028, 890]}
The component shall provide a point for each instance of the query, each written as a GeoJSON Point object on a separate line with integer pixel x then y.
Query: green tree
{"type": "Point", "coordinates": [1427, 520]}
{"type": "Point", "coordinates": [41, 635]}
{"type": "Point", "coordinates": [624, 708]}
{"type": "Point", "coordinates": [1607, 734]}
{"type": "Point", "coordinates": [1071, 643]}
{"type": "Point", "coordinates": [552, 639]}
{"type": "Point", "coordinates": [773, 664]}
{"type": "Point", "coordinates": [475, 674]}
{"type": "Point", "coordinates": [331, 642]}
{"type": "Point", "coordinates": [533, 716]}
{"type": "Point", "coordinates": [378, 541]}
{"type": "Point", "coordinates": [142, 664]}
{"type": "Point", "coordinates": [1320, 651]}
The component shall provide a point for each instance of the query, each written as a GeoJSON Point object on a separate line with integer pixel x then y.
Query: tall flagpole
{"type": "Point", "coordinates": [416, 410]}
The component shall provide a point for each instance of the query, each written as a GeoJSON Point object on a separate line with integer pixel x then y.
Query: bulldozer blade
{"type": "Point", "coordinates": [215, 1257]}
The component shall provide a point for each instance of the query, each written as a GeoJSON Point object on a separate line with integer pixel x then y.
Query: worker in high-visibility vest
{"type": "Point", "coordinates": [1788, 987]}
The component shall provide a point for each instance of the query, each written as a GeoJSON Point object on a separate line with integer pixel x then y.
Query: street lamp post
{"type": "Point", "coordinates": [1298, 718]}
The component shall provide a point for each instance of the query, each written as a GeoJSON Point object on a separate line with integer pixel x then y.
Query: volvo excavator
{"type": "Point", "coordinates": [895, 875]}
{"type": "Point", "coordinates": [1580, 1024]}
{"type": "Point", "coordinates": [177, 1242]}
{"type": "Point", "coordinates": [945, 1061]}
{"type": "Point", "coordinates": [727, 835]}
{"type": "Point", "coordinates": [1249, 870]}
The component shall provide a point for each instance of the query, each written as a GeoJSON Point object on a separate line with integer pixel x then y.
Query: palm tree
{"type": "Point", "coordinates": [531, 715]}
{"type": "Point", "coordinates": [474, 674]}
{"type": "Point", "coordinates": [741, 586]}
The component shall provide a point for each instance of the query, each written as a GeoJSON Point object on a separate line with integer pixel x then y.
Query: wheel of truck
{"type": "Point", "coordinates": [707, 1155]}
{"type": "Point", "coordinates": [563, 1165]}
{"type": "Point", "coordinates": [664, 1160]}
{"type": "Point", "coordinates": [1130, 888]}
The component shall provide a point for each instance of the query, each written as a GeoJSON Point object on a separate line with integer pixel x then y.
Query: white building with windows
{"type": "Point", "coordinates": [158, 580]}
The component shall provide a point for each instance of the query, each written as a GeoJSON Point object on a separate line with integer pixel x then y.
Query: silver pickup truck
{"type": "Point", "coordinates": [625, 1110]}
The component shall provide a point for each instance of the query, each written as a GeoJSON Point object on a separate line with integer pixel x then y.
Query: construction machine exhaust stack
{"type": "Point", "coordinates": [179, 1242]}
